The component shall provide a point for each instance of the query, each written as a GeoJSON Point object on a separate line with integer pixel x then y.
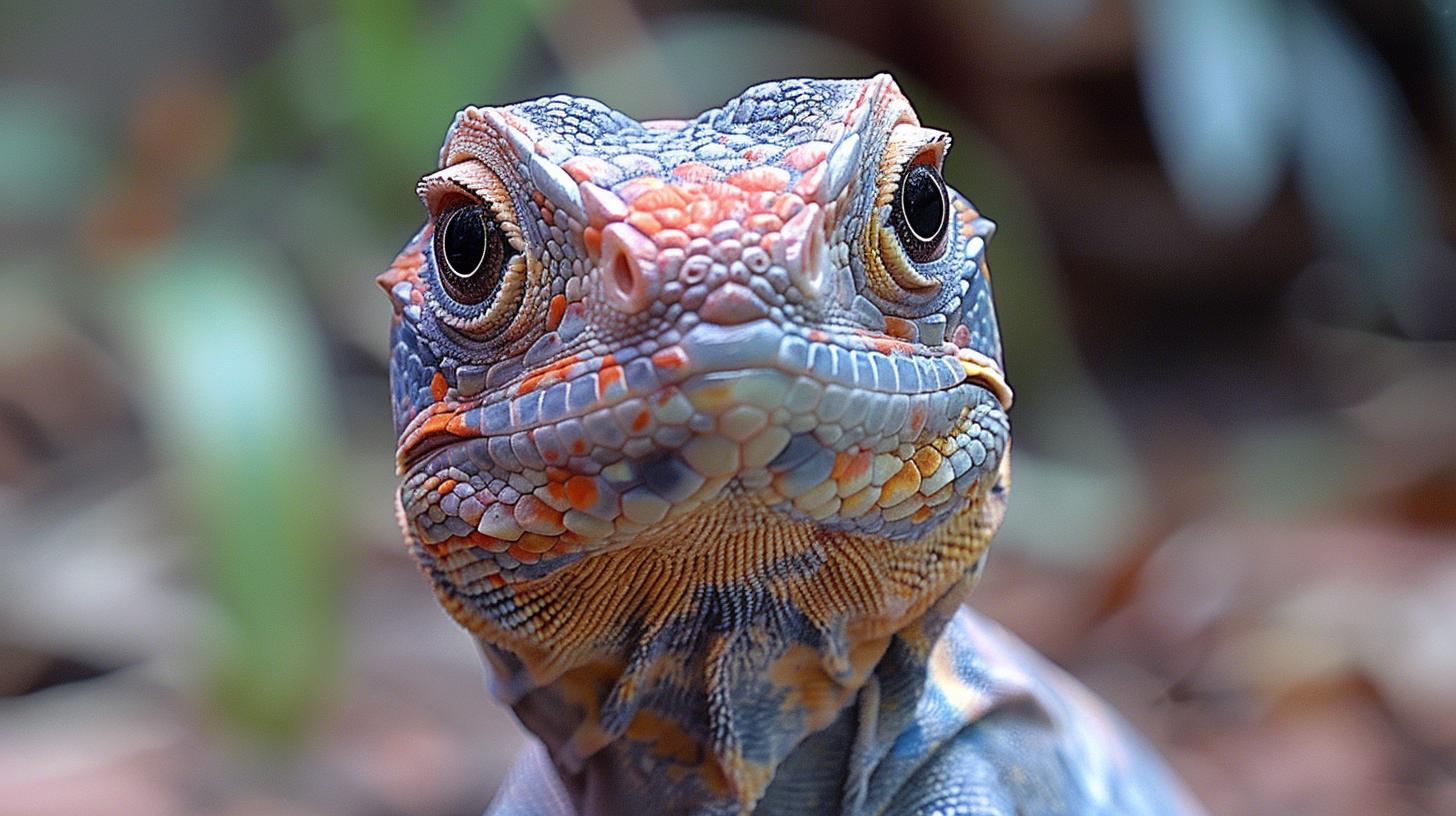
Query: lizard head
{"type": "Point", "coordinates": [634, 360]}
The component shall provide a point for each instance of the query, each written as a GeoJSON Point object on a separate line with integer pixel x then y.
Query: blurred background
{"type": "Point", "coordinates": [1227, 287]}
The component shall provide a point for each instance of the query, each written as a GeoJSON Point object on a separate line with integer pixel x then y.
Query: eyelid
{"type": "Point", "coordinates": [912, 144]}
{"type": "Point", "coordinates": [469, 178]}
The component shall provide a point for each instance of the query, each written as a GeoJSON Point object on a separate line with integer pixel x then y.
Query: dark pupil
{"type": "Point", "coordinates": [471, 247]}
{"type": "Point", "coordinates": [924, 202]}
{"type": "Point", "coordinates": [465, 241]}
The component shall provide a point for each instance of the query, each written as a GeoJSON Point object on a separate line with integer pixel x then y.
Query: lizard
{"type": "Point", "coordinates": [702, 433]}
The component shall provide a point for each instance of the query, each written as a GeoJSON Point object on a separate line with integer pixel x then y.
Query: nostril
{"type": "Point", "coordinates": [622, 274]}
{"type": "Point", "coordinates": [630, 282]}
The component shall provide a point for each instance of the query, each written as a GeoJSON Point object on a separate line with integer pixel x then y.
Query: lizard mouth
{"type": "Point", "coordinates": [850, 367]}
{"type": "Point", "coordinates": [855, 433]}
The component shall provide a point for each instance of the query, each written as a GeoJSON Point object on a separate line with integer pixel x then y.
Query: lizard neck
{"type": "Point", "coordinates": [753, 659]}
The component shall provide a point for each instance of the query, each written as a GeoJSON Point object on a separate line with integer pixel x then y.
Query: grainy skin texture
{"type": "Point", "coordinates": [710, 466]}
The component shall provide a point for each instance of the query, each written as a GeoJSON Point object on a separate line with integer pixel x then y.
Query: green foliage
{"type": "Point", "coordinates": [240, 402]}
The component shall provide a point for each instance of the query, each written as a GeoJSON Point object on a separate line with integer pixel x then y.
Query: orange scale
{"type": "Point", "coordinates": [670, 358]}
{"type": "Point", "coordinates": [630, 191]}
{"type": "Point", "coordinates": [582, 492]}
{"type": "Point", "coordinates": [644, 222]}
{"type": "Point", "coordinates": [803, 156]}
{"type": "Point", "coordinates": [858, 464]}
{"type": "Point", "coordinates": [557, 309]}
{"type": "Point", "coordinates": [590, 168]}
{"type": "Point", "coordinates": [808, 184]}
{"type": "Point", "coordinates": [671, 217]}
{"type": "Point", "coordinates": [659, 198]}
{"type": "Point", "coordinates": [755, 179]}
{"type": "Point", "coordinates": [640, 421]}
{"type": "Point", "coordinates": [694, 171]}
{"type": "Point", "coordinates": [763, 222]}
{"type": "Point", "coordinates": [672, 237]}
{"type": "Point", "coordinates": [787, 206]}
{"type": "Point", "coordinates": [900, 327]}
{"type": "Point", "coordinates": [522, 554]}
{"type": "Point", "coordinates": [701, 211]}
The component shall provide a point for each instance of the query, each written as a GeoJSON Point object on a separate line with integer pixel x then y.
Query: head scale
{"type": "Point", "coordinates": [684, 379]}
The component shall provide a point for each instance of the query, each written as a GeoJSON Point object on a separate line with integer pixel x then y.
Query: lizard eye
{"type": "Point", "coordinates": [470, 253]}
{"type": "Point", "coordinates": [920, 213]}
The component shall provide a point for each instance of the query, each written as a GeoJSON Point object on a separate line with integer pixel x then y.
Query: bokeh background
{"type": "Point", "coordinates": [1228, 293]}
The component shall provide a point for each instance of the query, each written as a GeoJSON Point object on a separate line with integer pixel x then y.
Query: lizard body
{"type": "Point", "coordinates": [703, 434]}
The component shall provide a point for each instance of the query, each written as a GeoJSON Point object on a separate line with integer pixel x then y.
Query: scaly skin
{"type": "Point", "coordinates": [709, 469]}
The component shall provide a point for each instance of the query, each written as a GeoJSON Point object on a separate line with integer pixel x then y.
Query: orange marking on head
{"type": "Point", "coordinates": [457, 426]}
{"type": "Point", "coordinates": [610, 373]}
{"type": "Point", "coordinates": [640, 421]}
{"type": "Point", "coordinates": [787, 206]}
{"type": "Point", "coordinates": [673, 217]}
{"type": "Point", "coordinates": [763, 222]}
{"type": "Point", "coordinates": [917, 418]}
{"type": "Point", "coordinates": [438, 386]}
{"type": "Point", "coordinates": [900, 327]}
{"type": "Point", "coordinates": [803, 156]}
{"type": "Point", "coordinates": [556, 489]}
{"type": "Point", "coordinates": [646, 223]}
{"type": "Point", "coordinates": [841, 462]}
{"type": "Point", "coordinates": [809, 183]}
{"type": "Point", "coordinates": [670, 358]}
{"type": "Point", "coordinates": [659, 197]}
{"type": "Point", "coordinates": [694, 171]}
{"type": "Point", "coordinates": [579, 447]}
{"type": "Point", "coordinates": [858, 464]}
{"type": "Point", "coordinates": [921, 515]}
{"type": "Point", "coordinates": [446, 486]}
{"type": "Point", "coordinates": [629, 191]}
{"type": "Point", "coordinates": [587, 168]}
{"type": "Point", "coordinates": [700, 215]}
{"type": "Point", "coordinates": [672, 237]}
{"type": "Point", "coordinates": [581, 491]}
{"type": "Point", "coordinates": [547, 375]}
{"type": "Point", "coordinates": [818, 336]}
{"type": "Point", "coordinates": [434, 425]}
{"type": "Point", "coordinates": [555, 311]}
{"type": "Point", "coordinates": [592, 237]}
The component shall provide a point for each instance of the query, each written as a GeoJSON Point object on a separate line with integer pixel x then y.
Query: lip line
{"type": "Point", "coordinates": [980, 370]}
{"type": "Point", "coordinates": [428, 444]}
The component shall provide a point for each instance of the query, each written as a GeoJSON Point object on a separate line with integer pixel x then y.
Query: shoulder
{"type": "Point", "coordinates": [1019, 735]}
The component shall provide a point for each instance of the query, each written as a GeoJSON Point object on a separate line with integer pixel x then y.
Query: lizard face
{"type": "Point", "coordinates": [610, 336]}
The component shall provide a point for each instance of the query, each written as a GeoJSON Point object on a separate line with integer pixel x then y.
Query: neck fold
{"type": "Point", "coordinates": [759, 658]}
